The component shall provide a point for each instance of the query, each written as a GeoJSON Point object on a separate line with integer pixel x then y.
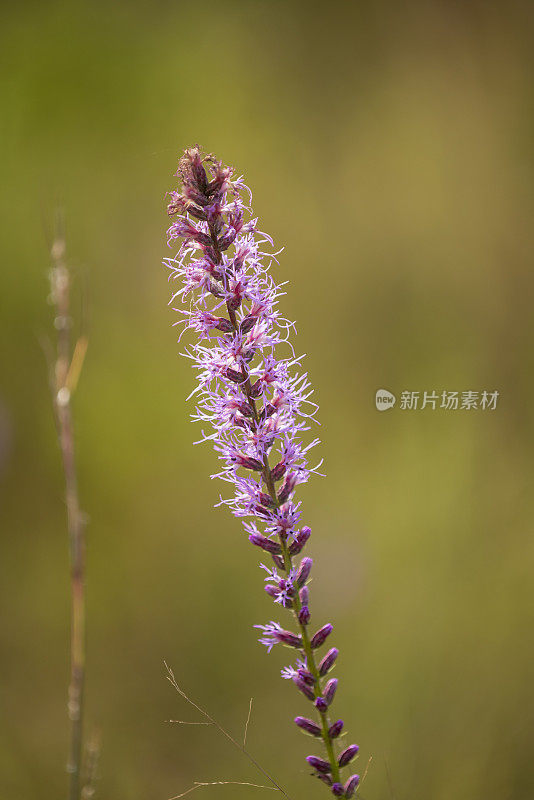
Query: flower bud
{"type": "Point", "coordinates": [266, 544]}
{"type": "Point", "coordinates": [247, 324]}
{"type": "Point", "coordinates": [249, 463]}
{"type": "Point", "coordinates": [266, 500]}
{"type": "Point", "coordinates": [304, 615]}
{"type": "Point", "coordinates": [224, 325]}
{"type": "Point", "coordinates": [246, 409]}
{"type": "Point", "coordinates": [328, 661]}
{"type": "Point", "coordinates": [224, 243]}
{"type": "Point", "coordinates": [335, 729]}
{"type": "Point", "coordinates": [324, 778]}
{"type": "Point", "coordinates": [351, 785]}
{"type": "Point", "coordinates": [278, 560]}
{"type": "Point", "coordinates": [255, 391]}
{"type": "Point", "coordinates": [338, 790]}
{"type": "Point", "coordinates": [308, 726]}
{"type": "Point", "coordinates": [330, 690]}
{"type": "Point", "coordinates": [347, 755]}
{"type": "Point", "coordinates": [267, 411]}
{"type": "Point", "coordinates": [300, 540]}
{"type": "Point", "coordinates": [304, 571]}
{"type": "Point", "coordinates": [303, 687]}
{"type": "Point", "coordinates": [304, 596]}
{"type": "Point", "coordinates": [288, 638]}
{"type": "Point", "coordinates": [277, 472]}
{"type": "Point", "coordinates": [233, 375]}
{"type": "Point", "coordinates": [306, 676]}
{"type": "Point", "coordinates": [321, 636]}
{"type": "Point", "coordinates": [321, 704]}
{"type": "Point", "coordinates": [216, 292]}
{"type": "Point", "coordinates": [289, 485]}
{"type": "Point", "coordinates": [319, 764]}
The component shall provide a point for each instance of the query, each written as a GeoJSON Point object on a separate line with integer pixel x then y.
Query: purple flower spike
{"type": "Point", "coordinates": [304, 571]}
{"type": "Point", "coordinates": [347, 755]}
{"type": "Point", "coordinates": [319, 764]}
{"type": "Point", "coordinates": [335, 729]}
{"type": "Point", "coordinates": [328, 661]}
{"type": "Point", "coordinates": [254, 404]}
{"type": "Point", "coordinates": [308, 726]}
{"type": "Point", "coordinates": [330, 690]}
{"type": "Point", "coordinates": [321, 636]}
{"type": "Point", "coordinates": [351, 785]}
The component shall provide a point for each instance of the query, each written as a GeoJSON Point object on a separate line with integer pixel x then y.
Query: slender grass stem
{"type": "Point", "coordinates": [61, 385]}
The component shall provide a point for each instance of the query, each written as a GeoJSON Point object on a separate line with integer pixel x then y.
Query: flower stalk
{"type": "Point", "coordinates": [64, 376]}
{"type": "Point", "coordinates": [258, 408]}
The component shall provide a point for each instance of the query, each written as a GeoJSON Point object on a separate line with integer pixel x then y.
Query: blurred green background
{"type": "Point", "coordinates": [389, 149]}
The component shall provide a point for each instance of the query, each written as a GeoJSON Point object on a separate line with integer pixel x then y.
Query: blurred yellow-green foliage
{"type": "Point", "coordinates": [389, 148]}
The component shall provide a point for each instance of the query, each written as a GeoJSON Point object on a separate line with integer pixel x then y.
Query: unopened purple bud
{"type": "Point", "coordinates": [247, 324]}
{"type": "Point", "coordinates": [347, 755]}
{"type": "Point", "coordinates": [247, 410]}
{"type": "Point", "coordinates": [216, 292]}
{"type": "Point", "coordinates": [266, 544]}
{"type": "Point", "coordinates": [288, 638]}
{"type": "Point", "coordinates": [278, 472]}
{"type": "Point", "coordinates": [279, 561]}
{"type": "Point", "coordinates": [234, 302]}
{"type": "Point", "coordinates": [335, 729]}
{"type": "Point", "coordinates": [321, 636]}
{"type": "Point", "coordinates": [304, 688]}
{"type": "Point", "coordinates": [224, 325]}
{"type": "Point", "coordinates": [330, 690]}
{"type": "Point", "coordinates": [304, 595]}
{"type": "Point", "coordinates": [304, 615]}
{"type": "Point", "coordinates": [306, 676]}
{"type": "Point", "coordinates": [267, 411]}
{"type": "Point", "coordinates": [233, 375]}
{"type": "Point", "coordinates": [338, 790]}
{"type": "Point", "coordinates": [255, 391]}
{"type": "Point", "coordinates": [289, 485]}
{"type": "Point", "coordinates": [321, 704]}
{"type": "Point", "coordinates": [319, 764]}
{"type": "Point", "coordinates": [224, 243]}
{"type": "Point", "coordinates": [308, 726]}
{"type": "Point", "coordinates": [300, 540]}
{"type": "Point", "coordinates": [328, 661]}
{"type": "Point", "coordinates": [351, 785]}
{"type": "Point", "coordinates": [324, 778]}
{"type": "Point", "coordinates": [250, 463]}
{"type": "Point", "coordinates": [266, 500]}
{"type": "Point", "coordinates": [271, 590]}
{"type": "Point", "coordinates": [304, 571]}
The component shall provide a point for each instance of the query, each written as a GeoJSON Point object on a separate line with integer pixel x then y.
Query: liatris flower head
{"type": "Point", "coordinates": [254, 403]}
